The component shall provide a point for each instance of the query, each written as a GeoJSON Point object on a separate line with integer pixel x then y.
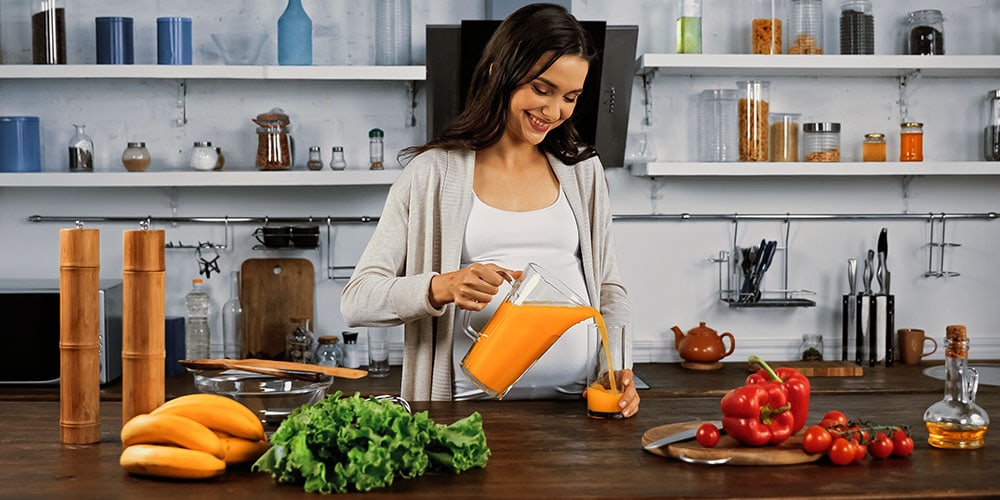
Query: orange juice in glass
{"type": "Point", "coordinates": [608, 355]}
{"type": "Point", "coordinates": [536, 312]}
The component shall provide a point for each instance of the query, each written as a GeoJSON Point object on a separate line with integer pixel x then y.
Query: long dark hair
{"type": "Point", "coordinates": [521, 40]}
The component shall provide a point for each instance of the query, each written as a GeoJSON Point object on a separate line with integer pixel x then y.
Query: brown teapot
{"type": "Point", "coordinates": [702, 344]}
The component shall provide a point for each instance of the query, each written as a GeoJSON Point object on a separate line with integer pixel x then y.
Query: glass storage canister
{"type": "Point", "coordinates": [81, 151]}
{"type": "Point", "coordinates": [821, 142]}
{"type": "Point", "coordinates": [752, 115]}
{"type": "Point", "coordinates": [873, 149]}
{"type": "Point", "coordinates": [717, 126]}
{"type": "Point", "coordinates": [329, 352]}
{"type": "Point", "coordinates": [784, 136]}
{"type": "Point", "coordinates": [274, 142]}
{"type": "Point", "coordinates": [136, 157]}
{"type": "Point", "coordinates": [857, 27]}
{"type": "Point", "coordinates": [911, 141]}
{"type": "Point", "coordinates": [991, 134]}
{"type": "Point", "coordinates": [48, 32]}
{"type": "Point", "coordinates": [300, 346]}
{"type": "Point", "coordinates": [811, 348]}
{"type": "Point", "coordinates": [315, 161]}
{"type": "Point", "coordinates": [925, 32]}
{"type": "Point", "coordinates": [805, 27]}
{"type": "Point", "coordinates": [765, 28]}
{"type": "Point", "coordinates": [957, 422]}
{"type": "Point", "coordinates": [689, 27]}
{"type": "Point", "coordinates": [203, 156]}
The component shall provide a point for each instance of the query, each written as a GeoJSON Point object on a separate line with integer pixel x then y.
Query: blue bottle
{"type": "Point", "coordinates": [294, 36]}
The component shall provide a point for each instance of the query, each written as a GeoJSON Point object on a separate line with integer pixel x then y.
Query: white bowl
{"type": "Point", "coordinates": [239, 48]}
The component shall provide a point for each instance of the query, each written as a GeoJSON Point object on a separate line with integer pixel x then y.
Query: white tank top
{"type": "Point", "coordinates": [548, 237]}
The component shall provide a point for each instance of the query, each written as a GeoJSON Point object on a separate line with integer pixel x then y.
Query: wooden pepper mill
{"type": "Point", "coordinates": [79, 335]}
{"type": "Point", "coordinates": [143, 329]}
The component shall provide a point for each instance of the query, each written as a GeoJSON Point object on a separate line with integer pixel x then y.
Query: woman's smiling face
{"type": "Point", "coordinates": [542, 104]}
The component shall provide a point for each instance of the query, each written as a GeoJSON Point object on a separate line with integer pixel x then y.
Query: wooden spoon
{"type": "Point", "coordinates": [280, 368]}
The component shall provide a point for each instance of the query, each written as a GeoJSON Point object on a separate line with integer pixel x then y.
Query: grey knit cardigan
{"type": "Point", "coordinates": [421, 233]}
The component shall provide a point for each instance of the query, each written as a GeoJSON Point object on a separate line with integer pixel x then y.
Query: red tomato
{"type": "Point", "coordinates": [858, 435]}
{"type": "Point", "coordinates": [860, 451]}
{"type": "Point", "coordinates": [707, 435]}
{"type": "Point", "coordinates": [881, 447]}
{"type": "Point", "coordinates": [841, 451]}
{"type": "Point", "coordinates": [902, 445]}
{"type": "Point", "coordinates": [837, 416]}
{"type": "Point", "coordinates": [816, 440]}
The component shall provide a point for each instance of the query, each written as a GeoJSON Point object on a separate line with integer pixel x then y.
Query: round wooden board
{"type": "Point", "coordinates": [789, 452]}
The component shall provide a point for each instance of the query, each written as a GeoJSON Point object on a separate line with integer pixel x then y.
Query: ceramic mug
{"type": "Point", "coordinates": [274, 236]}
{"type": "Point", "coordinates": [912, 344]}
{"type": "Point", "coordinates": [305, 236]}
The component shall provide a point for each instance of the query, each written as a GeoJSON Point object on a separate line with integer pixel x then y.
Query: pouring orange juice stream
{"type": "Point", "coordinates": [526, 331]}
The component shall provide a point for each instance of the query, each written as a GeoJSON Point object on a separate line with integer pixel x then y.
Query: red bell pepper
{"type": "Point", "coordinates": [757, 414]}
{"type": "Point", "coordinates": [796, 385]}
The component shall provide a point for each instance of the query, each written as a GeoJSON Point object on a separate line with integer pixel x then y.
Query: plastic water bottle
{"type": "Point", "coordinates": [197, 333]}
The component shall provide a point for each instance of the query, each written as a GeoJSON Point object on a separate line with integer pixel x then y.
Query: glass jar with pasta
{"type": "Point", "coordinates": [752, 114]}
{"type": "Point", "coordinates": [821, 142]}
{"type": "Point", "coordinates": [765, 27]}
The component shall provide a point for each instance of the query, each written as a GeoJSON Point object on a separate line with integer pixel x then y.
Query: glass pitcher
{"type": "Point", "coordinates": [536, 312]}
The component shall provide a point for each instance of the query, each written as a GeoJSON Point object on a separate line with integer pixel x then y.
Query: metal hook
{"type": "Point", "coordinates": [79, 224]}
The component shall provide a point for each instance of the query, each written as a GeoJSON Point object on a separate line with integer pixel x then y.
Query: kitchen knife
{"type": "Point", "coordinates": [681, 436]}
{"type": "Point", "coordinates": [869, 271]}
{"type": "Point", "coordinates": [883, 249]}
{"type": "Point", "coordinates": [852, 275]}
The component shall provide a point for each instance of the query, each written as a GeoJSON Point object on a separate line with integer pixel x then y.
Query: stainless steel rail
{"type": "Point", "coordinates": [790, 216]}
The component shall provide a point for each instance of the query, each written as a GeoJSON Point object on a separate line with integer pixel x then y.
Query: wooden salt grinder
{"type": "Point", "coordinates": [143, 328]}
{"type": "Point", "coordinates": [79, 335]}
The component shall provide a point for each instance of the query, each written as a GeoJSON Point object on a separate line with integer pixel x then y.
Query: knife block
{"type": "Point", "coordinates": [871, 320]}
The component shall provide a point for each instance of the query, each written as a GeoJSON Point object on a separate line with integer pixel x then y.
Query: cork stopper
{"type": "Point", "coordinates": [956, 341]}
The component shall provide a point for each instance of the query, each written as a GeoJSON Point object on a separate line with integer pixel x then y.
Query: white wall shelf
{"type": "Point", "coordinates": [213, 72]}
{"type": "Point", "coordinates": [809, 169]}
{"type": "Point", "coordinates": [234, 178]}
{"type": "Point", "coordinates": [961, 66]}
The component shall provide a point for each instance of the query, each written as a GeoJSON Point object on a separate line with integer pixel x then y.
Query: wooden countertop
{"type": "Point", "coordinates": [550, 449]}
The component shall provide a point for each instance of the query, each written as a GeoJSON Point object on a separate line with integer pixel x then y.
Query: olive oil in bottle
{"type": "Point", "coordinates": [957, 422]}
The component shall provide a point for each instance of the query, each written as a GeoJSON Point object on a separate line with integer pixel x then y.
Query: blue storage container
{"type": "Point", "coordinates": [20, 144]}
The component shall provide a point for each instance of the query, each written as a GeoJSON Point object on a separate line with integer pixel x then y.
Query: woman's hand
{"type": "Point", "coordinates": [470, 287]}
{"type": "Point", "coordinates": [629, 403]}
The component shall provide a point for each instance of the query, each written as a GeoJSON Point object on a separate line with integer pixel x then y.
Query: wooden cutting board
{"type": "Point", "coordinates": [789, 452]}
{"type": "Point", "coordinates": [272, 292]}
{"type": "Point", "coordinates": [825, 368]}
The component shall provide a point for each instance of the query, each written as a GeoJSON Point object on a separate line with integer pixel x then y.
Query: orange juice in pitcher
{"type": "Point", "coordinates": [536, 312]}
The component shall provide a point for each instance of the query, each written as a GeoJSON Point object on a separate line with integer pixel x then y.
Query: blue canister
{"type": "Point", "coordinates": [114, 40]}
{"type": "Point", "coordinates": [173, 40]}
{"type": "Point", "coordinates": [20, 144]}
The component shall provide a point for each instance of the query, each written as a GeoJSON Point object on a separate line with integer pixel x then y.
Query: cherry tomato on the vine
{"type": "Point", "coordinates": [881, 447]}
{"type": "Point", "coordinates": [836, 416]}
{"type": "Point", "coordinates": [841, 451]}
{"type": "Point", "coordinates": [902, 445]}
{"type": "Point", "coordinates": [860, 451]}
{"type": "Point", "coordinates": [816, 440]}
{"type": "Point", "coordinates": [707, 435]}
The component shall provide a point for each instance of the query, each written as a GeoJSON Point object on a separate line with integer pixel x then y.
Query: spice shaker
{"type": "Point", "coordinates": [351, 355]}
{"type": "Point", "coordinates": [315, 161]}
{"type": "Point", "coordinates": [338, 162]}
{"type": "Point", "coordinates": [375, 148]}
{"type": "Point", "coordinates": [991, 144]}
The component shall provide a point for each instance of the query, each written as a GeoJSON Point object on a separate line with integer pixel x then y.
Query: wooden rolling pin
{"type": "Point", "coordinates": [291, 369]}
{"type": "Point", "coordinates": [79, 336]}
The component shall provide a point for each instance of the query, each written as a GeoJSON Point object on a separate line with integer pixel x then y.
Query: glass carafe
{"type": "Point", "coordinates": [81, 151]}
{"type": "Point", "coordinates": [957, 422]}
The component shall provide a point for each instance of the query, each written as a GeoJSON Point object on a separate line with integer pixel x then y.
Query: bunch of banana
{"type": "Point", "coordinates": [192, 437]}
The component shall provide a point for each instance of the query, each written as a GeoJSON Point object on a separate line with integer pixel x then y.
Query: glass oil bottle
{"type": "Point", "coordinates": [957, 422]}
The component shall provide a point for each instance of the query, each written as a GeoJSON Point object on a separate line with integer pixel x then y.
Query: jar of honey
{"type": "Point", "coordinates": [911, 141]}
{"type": "Point", "coordinates": [873, 149]}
